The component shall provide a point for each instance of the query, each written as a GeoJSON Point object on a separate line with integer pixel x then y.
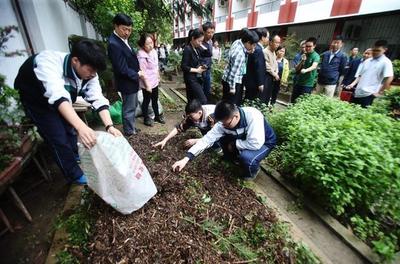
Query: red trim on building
{"type": "Point", "coordinates": [338, 29]}
{"type": "Point", "coordinates": [345, 7]}
{"type": "Point", "coordinates": [287, 12]}
{"type": "Point", "coordinates": [252, 16]}
{"type": "Point", "coordinates": [229, 20]}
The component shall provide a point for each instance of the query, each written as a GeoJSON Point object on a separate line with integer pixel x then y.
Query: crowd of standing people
{"type": "Point", "coordinates": [256, 67]}
{"type": "Point", "coordinates": [49, 82]}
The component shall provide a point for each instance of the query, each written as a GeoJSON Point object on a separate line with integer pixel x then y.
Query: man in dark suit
{"type": "Point", "coordinates": [254, 80]}
{"type": "Point", "coordinates": [126, 70]}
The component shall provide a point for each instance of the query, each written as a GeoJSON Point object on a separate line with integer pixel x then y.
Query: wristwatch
{"type": "Point", "coordinates": [108, 127]}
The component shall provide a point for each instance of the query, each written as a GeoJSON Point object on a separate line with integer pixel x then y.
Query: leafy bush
{"type": "Point", "coordinates": [217, 70]}
{"type": "Point", "coordinates": [389, 104]}
{"type": "Point", "coordinates": [396, 69]}
{"type": "Point", "coordinates": [174, 61]}
{"type": "Point", "coordinates": [346, 156]}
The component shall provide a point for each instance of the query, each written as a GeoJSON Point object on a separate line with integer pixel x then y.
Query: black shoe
{"type": "Point", "coordinates": [160, 119]}
{"type": "Point", "coordinates": [148, 121]}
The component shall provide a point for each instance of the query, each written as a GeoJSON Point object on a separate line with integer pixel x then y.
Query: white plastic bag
{"type": "Point", "coordinates": [116, 173]}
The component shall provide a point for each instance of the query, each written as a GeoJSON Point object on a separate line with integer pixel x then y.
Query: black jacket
{"type": "Point", "coordinates": [192, 58]}
{"type": "Point", "coordinates": [125, 65]}
{"type": "Point", "coordinates": [255, 69]}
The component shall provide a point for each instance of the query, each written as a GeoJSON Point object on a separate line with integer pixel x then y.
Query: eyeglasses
{"type": "Point", "coordinates": [229, 124]}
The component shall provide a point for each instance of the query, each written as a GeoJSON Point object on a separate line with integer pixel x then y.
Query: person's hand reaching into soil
{"type": "Point", "coordinates": [180, 164]}
{"type": "Point", "coordinates": [160, 144]}
{"type": "Point", "coordinates": [190, 142]}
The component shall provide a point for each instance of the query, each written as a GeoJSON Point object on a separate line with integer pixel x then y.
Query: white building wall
{"type": "Point", "coordinates": [9, 65]}
{"type": "Point", "coordinates": [312, 10]}
{"type": "Point", "coordinates": [48, 22]}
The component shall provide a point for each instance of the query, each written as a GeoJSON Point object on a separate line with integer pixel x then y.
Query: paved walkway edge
{"type": "Point", "coordinates": [348, 237]}
{"type": "Point", "coordinates": [60, 237]}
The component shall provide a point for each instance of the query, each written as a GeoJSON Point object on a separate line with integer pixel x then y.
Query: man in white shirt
{"type": "Point", "coordinates": [373, 76]}
{"type": "Point", "coordinates": [243, 134]}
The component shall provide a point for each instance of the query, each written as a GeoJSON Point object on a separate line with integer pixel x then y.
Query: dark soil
{"type": "Point", "coordinates": [181, 223]}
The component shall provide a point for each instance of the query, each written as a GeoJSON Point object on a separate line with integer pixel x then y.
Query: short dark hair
{"type": "Point", "coordinates": [143, 38]}
{"type": "Point", "coordinates": [354, 47]}
{"type": "Point", "coordinates": [313, 40]}
{"type": "Point", "coordinates": [195, 33]}
{"type": "Point", "coordinates": [280, 47]}
{"type": "Point", "coordinates": [122, 19]}
{"type": "Point", "coordinates": [89, 53]}
{"type": "Point", "coordinates": [207, 26]}
{"type": "Point", "coordinates": [224, 109]}
{"type": "Point", "coordinates": [248, 36]}
{"type": "Point", "coordinates": [193, 106]}
{"type": "Point", "coordinates": [381, 43]}
{"type": "Point", "coordinates": [262, 32]}
{"type": "Point", "coordinates": [338, 37]}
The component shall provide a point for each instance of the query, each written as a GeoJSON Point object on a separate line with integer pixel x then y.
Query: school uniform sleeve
{"type": "Point", "coordinates": [255, 132]}
{"type": "Point", "coordinates": [206, 141]}
{"type": "Point", "coordinates": [120, 66]}
{"type": "Point", "coordinates": [49, 71]}
{"type": "Point", "coordinates": [94, 95]}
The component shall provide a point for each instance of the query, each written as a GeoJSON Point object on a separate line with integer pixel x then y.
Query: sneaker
{"type": "Point", "coordinates": [148, 121]}
{"type": "Point", "coordinates": [160, 119]}
{"type": "Point", "coordinates": [81, 180]}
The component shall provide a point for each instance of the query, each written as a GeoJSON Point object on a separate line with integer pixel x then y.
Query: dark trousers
{"type": "Point", "coordinates": [299, 90]}
{"type": "Point", "coordinates": [61, 137]}
{"type": "Point", "coordinates": [129, 104]}
{"type": "Point", "coordinates": [207, 83]}
{"type": "Point", "coordinates": [276, 86]}
{"type": "Point", "coordinates": [235, 98]}
{"type": "Point", "coordinates": [363, 101]}
{"type": "Point", "coordinates": [249, 159]}
{"type": "Point", "coordinates": [194, 90]}
{"type": "Point", "coordinates": [147, 96]}
{"type": "Point", "coordinates": [266, 94]}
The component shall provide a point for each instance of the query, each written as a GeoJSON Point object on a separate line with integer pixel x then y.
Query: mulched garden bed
{"type": "Point", "coordinates": [201, 215]}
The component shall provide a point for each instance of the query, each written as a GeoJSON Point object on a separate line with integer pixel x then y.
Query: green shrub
{"type": "Point", "coordinates": [389, 104]}
{"type": "Point", "coordinates": [217, 70]}
{"type": "Point", "coordinates": [346, 156]}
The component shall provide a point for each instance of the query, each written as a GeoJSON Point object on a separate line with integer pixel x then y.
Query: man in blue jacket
{"type": "Point", "coordinates": [126, 70]}
{"type": "Point", "coordinates": [256, 72]}
{"type": "Point", "coordinates": [333, 64]}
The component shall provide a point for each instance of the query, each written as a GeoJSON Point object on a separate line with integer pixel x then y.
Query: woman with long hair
{"type": "Point", "coordinates": [192, 67]}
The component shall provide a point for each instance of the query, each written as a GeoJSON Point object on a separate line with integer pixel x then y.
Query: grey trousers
{"type": "Point", "coordinates": [129, 104]}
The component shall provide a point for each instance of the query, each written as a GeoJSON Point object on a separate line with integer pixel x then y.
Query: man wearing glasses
{"type": "Point", "coordinates": [244, 135]}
